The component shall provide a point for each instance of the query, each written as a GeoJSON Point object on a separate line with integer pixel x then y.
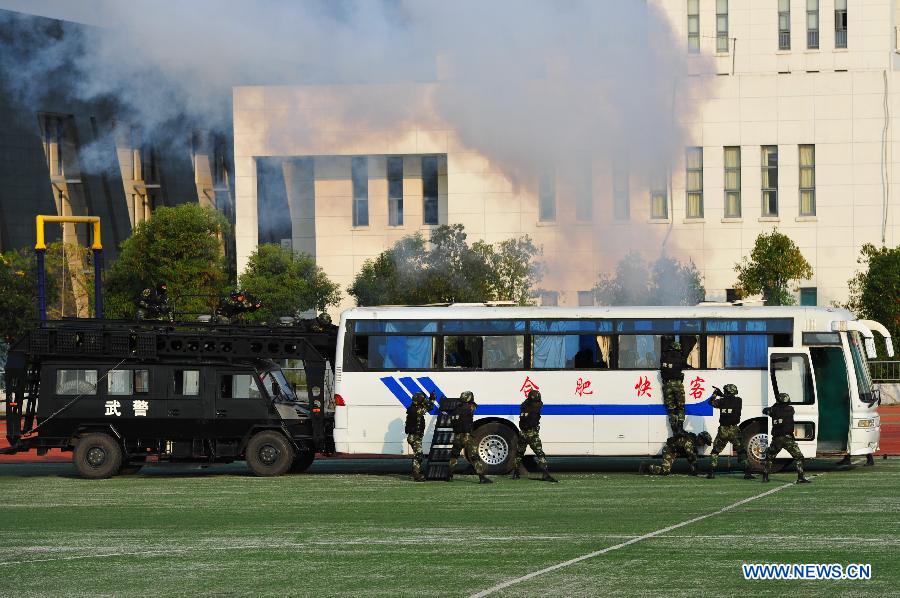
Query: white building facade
{"type": "Point", "coordinates": [791, 128]}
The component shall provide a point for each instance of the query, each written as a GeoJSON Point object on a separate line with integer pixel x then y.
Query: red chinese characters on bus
{"type": "Point", "coordinates": [643, 387]}
{"type": "Point", "coordinates": [582, 387]}
{"type": "Point", "coordinates": [697, 389]}
{"type": "Point", "coordinates": [528, 386]}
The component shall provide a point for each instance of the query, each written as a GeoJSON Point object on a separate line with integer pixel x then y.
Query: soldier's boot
{"type": "Point", "coordinates": [870, 460]}
{"type": "Point", "coordinates": [710, 475]}
{"type": "Point", "coordinates": [418, 477]}
{"type": "Point", "coordinates": [844, 461]}
{"type": "Point", "coordinates": [748, 475]}
{"type": "Point", "coordinates": [515, 475]}
{"type": "Point", "coordinates": [483, 479]}
{"type": "Point", "coordinates": [547, 477]}
{"type": "Point", "coordinates": [765, 477]}
{"type": "Point", "coordinates": [692, 472]}
{"type": "Point", "coordinates": [802, 479]}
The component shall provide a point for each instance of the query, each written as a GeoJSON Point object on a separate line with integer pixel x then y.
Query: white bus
{"type": "Point", "coordinates": [598, 372]}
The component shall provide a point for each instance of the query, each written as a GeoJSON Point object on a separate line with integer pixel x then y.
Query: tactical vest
{"type": "Point", "coordinates": [415, 420]}
{"type": "Point", "coordinates": [730, 410]}
{"type": "Point", "coordinates": [671, 364]}
{"type": "Point", "coordinates": [530, 414]}
{"type": "Point", "coordinates": [463, 420]}
{"type": "Point", "coordinates": [782, 419]}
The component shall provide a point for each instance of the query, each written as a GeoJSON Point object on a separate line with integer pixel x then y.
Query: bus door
{"type": "Point", "coordinates": [833, 394]}
{"type": "Point", "coordinates": [790, 371]}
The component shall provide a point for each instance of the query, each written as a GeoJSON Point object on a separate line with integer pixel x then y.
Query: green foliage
{"type": "Point", "coordinates": [875, 292]}
{"type": "Point", "coordinates": [447, 270]}
{"type": "Point", "coordinates": [17, 294]}
{"type": "Point", "coordinates": [286, 283]}
{"type": "Point", "coordinates": [180, 246]}
{"type": "Point", "coordinates": [666, 281]}
{"type": "Point", "coordinates": [774, 262]}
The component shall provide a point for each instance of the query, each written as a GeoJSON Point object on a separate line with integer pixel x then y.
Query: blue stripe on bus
{"type": "Point", "coordinates": [410, 385]}
{"type": "Point", "coordinates": [397, 391]}
{"type": "Point", "coordinates": [431, 387]}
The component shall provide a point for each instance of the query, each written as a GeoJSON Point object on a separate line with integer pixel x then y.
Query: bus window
{"type": "Point", "coordinates": [484, 352]}
{"type": "Point", "coordinates": [398, 352]}
{"type": "Point", "coordinates": [792, 375]}
{"type": "Point", "coordinates": [639, 351]}
{"type": "Point", "coordinates": [863, 383]}
{"type": "Point", "coordinates": [570, 351]}
{"type": "Point", "coordinates": [737, 350]}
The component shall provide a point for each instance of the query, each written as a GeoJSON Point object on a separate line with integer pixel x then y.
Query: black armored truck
{"type": "Point", "coordinates": [123, 394]}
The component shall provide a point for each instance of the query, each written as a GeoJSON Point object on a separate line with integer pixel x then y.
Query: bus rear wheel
{"type": "Point", "coordinates": [97, 456]}
{"type": "Point", "coordinates": [269, 454]}
{"type": "Point", "coordinates": [496, 447]}
{"type": "Point", "coordinates": [756, 440]}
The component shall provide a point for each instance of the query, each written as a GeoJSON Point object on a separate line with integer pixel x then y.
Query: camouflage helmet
{"type": "Point", "coordinates": [467, 396]}
{"type": "Point", "coordinates": [676, 345]}
{"type": "Point", "coordinates": [418, 397]}
{"type": "Point", "coordinates": [784, 397]}
{"type": "Point", "coordinates": [704, 438]}
{"type": "Point", "coordinates": [534, 395]}
{"type": "Point", "coordinates": [730, 389]}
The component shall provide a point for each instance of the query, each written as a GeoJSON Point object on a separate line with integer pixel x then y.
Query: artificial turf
{"type": "Point", "coordinates": [361, 528]}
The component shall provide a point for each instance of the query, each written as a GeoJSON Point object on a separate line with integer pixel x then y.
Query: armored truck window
{"type": "Point", "coordinates": [141, 381]}
{"type": "Point", "coordinates": [238, 386]}
{"type": "Point", "coordinates": [119, 382]}
{"type": "Point", "coordinates": [187, 382]}
{"type": "Point", "coordinates": [76, 382]}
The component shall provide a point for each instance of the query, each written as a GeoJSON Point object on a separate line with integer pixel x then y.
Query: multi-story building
{"type": "Point", "coordinates": [790, 127]}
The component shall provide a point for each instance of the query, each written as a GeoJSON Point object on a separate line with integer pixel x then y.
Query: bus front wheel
{"type": "Point", "coordinates": [497, 445]}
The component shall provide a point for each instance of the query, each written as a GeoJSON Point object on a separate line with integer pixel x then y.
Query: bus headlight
{"type": "Point", "coordinates": [865, 423]}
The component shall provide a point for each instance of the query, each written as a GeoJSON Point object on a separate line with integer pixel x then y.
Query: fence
{"type": "Point", "coordinates": [884, 371]}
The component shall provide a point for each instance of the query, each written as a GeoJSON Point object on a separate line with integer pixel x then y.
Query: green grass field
{"type": "Point", "coordinates": [341, 531]}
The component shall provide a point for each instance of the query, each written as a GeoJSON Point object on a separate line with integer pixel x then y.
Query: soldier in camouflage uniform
{"type": "Point", "coordinates": [415, 430]}
{"type": "Point", "coordinates": [729, 406]}
{"type": "Point", "coordinates": [671, 366]}
{"type": "Point", "coordinates": [463, 423]}
{"type": "Point", "coordinates": [685, 444]}
{"type": "Point", "coordinates": [530, 426]}
{"type": "Point", "coordinates": [782, 435]}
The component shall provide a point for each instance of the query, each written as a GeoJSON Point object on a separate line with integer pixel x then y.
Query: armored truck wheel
{"type": "Point", "coordinates": [302, 461]}
{"type": "Point", "coordinates": [496, 447]}
{"type": "Point", "coordinates": [269, 454]}
{"type": "Point", "coordinates": [97, 456]}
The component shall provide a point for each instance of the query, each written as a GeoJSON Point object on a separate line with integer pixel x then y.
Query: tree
{"type": "Point", "coordinates": [875, 292]}
{"type": "Point", "coordinates": [666, 281]}
{"type": "Point", "coordinates": [447, 270]}
{"type": "Point", "coordinates": [286, 283]}
{"type": "Point", "coordinates": [17, 295]}
{"type": "Point", "coordinates": [180, 246]}
{"type": "Point", "coordinates": [774, 262]}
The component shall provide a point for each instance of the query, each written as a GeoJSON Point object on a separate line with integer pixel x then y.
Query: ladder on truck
{"type": "Point", "coordinates": [442, 441]}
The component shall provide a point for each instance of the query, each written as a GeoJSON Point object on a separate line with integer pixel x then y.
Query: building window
{"type": "Point", "coordinates": [549, 298]}
{"type": "Point", "coordinates": [584, 202]}
{"type": "Point", "coordinates": [359, 174]}
{"type": "Point", "coordinates": [659, 198]}
{"type": "Point", "coordinates": [395, 190]}
{"type": "Point", "coordinates": [621, 201]}
{"type": "Point", "coordinates": [770, 180]}
{"type": "Point", "coordinates": [809, 296]}
{"type": "Point", "coordinates": [840, 23]}
{"type": "Point", "coordinates": [732, 182]}
{"type": "Point", "coordinates": [694, 185]}
{"type": "Point", "coordinates": [429, 190]}
{"type": "Point", "coordinates": [812, 24]}
{"type": "Point", "coordinates": [807, 180]}
{"type": "Point", "coordinates": [721, 25]}
{"type": "Point", "coordinates": [547, 197]}
{"type": "Point", "coordinates": [585, 298]}
{"type": "Point", "coordinates": [731, 295]}
{"type": "Point", "coordinates": [784, 24]}
{"type": "Point", "coordinates": [220, 161]}
{"type": "Point", "coordinates": [693, 26]}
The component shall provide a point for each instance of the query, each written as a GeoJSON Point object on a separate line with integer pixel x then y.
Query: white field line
{"type": "Point", "coordinates": [658, 532]}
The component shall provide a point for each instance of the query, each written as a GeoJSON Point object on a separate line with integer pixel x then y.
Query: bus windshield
{"type": "Point", "coordinates": [863, 382]}
{"type": "Point", "coordinates": [285, 393]}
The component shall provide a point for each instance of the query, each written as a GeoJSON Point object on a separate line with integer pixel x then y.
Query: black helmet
{"type": "Point", "coordinates": [534, 395]}
{"type": "Point", "coordinates": [730, 389]}
{"type": "Point", "coordinates": [418, 397]}
{"type": "Point", "coordinates": [784, 397]}
{"type": "Point", "coordinates": [467, 396]}
{"type": "Point", "coordinates": [704, 438]}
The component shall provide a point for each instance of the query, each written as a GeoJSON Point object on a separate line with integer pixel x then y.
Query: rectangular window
{"type": "Point", "coordinates": [584, 202]}
{"type": "Point", "coordinates": [639, 351]}
{"type": "Point", "coordinates": [187, 382]}
{"type": "Point", "coordinates": [784, 24]}
{"type": "Point", "coordinates": [484, 352]}
{"type": "Point", "coordinates": [484, 326]}
{"type": "Point", "coordinates": [119, 382]}
{"type": "Point", "coordinates": [359, 173]}
{"type": "Point", "coordinates": [693, 26]}
{"type": "Point", "coordinates": [812, 24]}
{"type": "Point", "coordinates": [732, 182]}
{"type": "Point", "coordinates": [769, 161]}
{"type": "Point", "coordinates": [737, 350]}
{"type": "Point", "coordinates": [547, 197]}
{"type": "Point", "coordinates": [76, 382]}
{"type": "Point", "coordinates": [395, 352]}
{"type": "Point", "coordinates": [807, 180]}
{"type": "Point", "coordinates": [141, 381]}
{"type": "Point", "coordinates": [585, 298]}
{"type": "Point", "coordinates": [399, 326]}
{"type": "Point", "coordinates": [549, 298]}
{"type": "Point", "coordinates": [570, 351]}
{"type": "Point", "coordinates": [659, 198]}
{"type": "Point", "coordinates": [721, 26]}
{"type": "Point", "coordinates": [621, 200]}
{"type": "Point", "coordinates": [238, 386]}
{"type": "Point", "coordinates": [694, 181]}
{"type": "Point", "coordinates": [731, 295]}
{"type": "Point", "coordinates": [395, 190]}
{"type": "Point", "coordinates": [429, 190]}
{"type": "Point", "coordinates": [809, 296]}
{"type": "Point", "coordinates": [840, 23]}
